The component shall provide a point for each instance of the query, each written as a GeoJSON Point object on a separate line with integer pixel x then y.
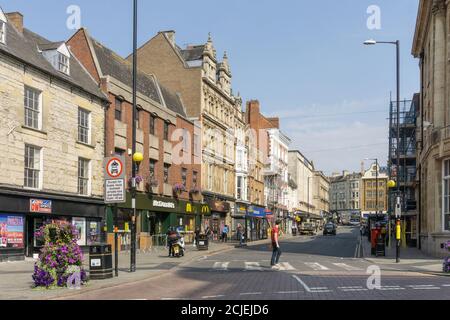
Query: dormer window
{"type": "Point", "coordinates": [2, 31]}
{"type": "Point", "coordinates": [63, 63]}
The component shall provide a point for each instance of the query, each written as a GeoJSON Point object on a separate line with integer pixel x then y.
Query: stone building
{"type": "Point", "coordinates": [169, 176]}
{"type": "Point", "coordinates": [345, 195]}
{"type": "Point", "coordinates": [320, 190]}
{"type": "Point", "coordinates": [302, 172]}
{"type": "Point", "coordinates": [205, 85]}
{"type": "Point", "coordinates": [430, 46]}
{"type": "Point", "coordinates": [52, 117]}
{"type": "Point", "coordinates": [372, 203]}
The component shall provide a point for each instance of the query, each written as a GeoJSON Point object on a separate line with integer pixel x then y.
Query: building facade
{"type": "Point", "coordinates": [430, 46]}
{"type": "Point", "coordinates": [371, 203]}
{"type": "Point", "coordinates": [170, 175]}
{"type": "Point", "coordinates": [52, 141]}
{"type": "Point", "coordinates": [321, 194]}
{"type": "Point", "coordinates": [302, 172]}
{"type": "Point", "coordinates": [205, 85]}
{"type": "Point", "coordinates": [345, 194]}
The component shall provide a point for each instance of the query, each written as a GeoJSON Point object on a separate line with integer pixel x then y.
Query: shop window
{"type": "Point", "coordinates": [93, 232]}
{"type": "Point", "coordinates": [11, 232]}
{"type": "Point", "coordinates": [446, 195]}
{"type": "Point", "coordinates": [80, 226]}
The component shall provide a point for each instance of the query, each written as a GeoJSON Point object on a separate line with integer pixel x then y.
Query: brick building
{"type": "Point", "coordinates": [164, 136]}
{"type": "Point", "coordinates": [205, 85]}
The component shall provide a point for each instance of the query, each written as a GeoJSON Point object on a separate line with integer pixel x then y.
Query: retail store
{"type": "Point", "coordinates": [219, 211]}
{"type": "Point", "coordinates": [257, 223]}
{"type": "Point", "coordinates": [21, 216]}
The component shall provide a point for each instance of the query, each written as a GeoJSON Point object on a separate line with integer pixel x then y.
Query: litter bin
{"type": "Point", "coordinates": [202, 242]}
{"type": "Point", "coordinates": [380, 246]}
{"type": "Point", "coordinates": [100, 262]}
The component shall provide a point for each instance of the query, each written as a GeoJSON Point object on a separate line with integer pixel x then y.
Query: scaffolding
{"type": "Point", "coordinates": [406, 168]}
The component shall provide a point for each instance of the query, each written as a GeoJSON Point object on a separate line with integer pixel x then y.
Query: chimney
{"type": "Point", "coordinates": [170, 34]}
{"type": "Point", "coordinates": [362, 168]}
{"type": "Point", "coordinates": [16, 19]}
{"type": "Point", "coordinates": [252, 110]}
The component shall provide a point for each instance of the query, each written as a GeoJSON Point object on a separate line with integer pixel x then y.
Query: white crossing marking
{"type": "Point", "coordinates": [287, 292]}
{"type": "Point", "coordinates": [316, 266]}
{"type": "Point", "coordinates": [221, 266]}
{"type": "Point", "coordinates": [250, 293]}
{"type": "Point", "coordinates": [212, 297]}
{"type": "Point", "coordinates": [252, 266]}
{"type": "Point", "coordinates": [354, 287]}
{"type": "Point", "coordinates": [286, 266]}
{"type": "Point", "coordinates": [424, 287]}
{"type": "Point", "coordinates": [354, 290]}
{"type": "Point", "coordinates": [308, 289]}
{"type": "Point", "coordinates": [347, 267]}
{"type": "Point", "coordinates": [389, 288]}
{"type": "Point", "coordinates": [446, 285]}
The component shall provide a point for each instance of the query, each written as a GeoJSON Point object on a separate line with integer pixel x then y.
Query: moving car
{"type": "Point", "coordinates": [329, 228]}
{"type": "Point", "coordinates": [307, 228]}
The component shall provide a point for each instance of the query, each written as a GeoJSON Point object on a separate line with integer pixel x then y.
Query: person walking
{"type": "Point", "coordinates": [239, 233]}
{"type": "Point", "coordinates": [225, 234]}
{"type": "Point", "coordinates": [276, 251]}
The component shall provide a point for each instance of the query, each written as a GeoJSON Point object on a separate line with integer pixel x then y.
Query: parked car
{"type": "Point", "coordinates": [307, 228]}
{"type": "Point", "coordinates": [329, 228]}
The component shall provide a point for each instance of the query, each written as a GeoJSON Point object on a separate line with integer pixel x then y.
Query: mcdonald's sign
{"type": "Point", "coordinates": [205, 209]}
{"type": "Point", "coordinates": [188, 207]}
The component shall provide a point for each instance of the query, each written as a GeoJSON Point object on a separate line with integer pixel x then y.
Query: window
{"type": "Point", "coordinates": [446, 196]}
{"type": "Point", "coordinates": [63, 63]}
{"type": "Point", "coordinates": [138, 118]}
{"type": "Point", "coordinates": [33, 108]}
{"type": "Point", "coordinates": [152, 168]}
{"type": "Point", "coordinates": [166, 131]}
{"type": "Point", "coordinates": [185, 140]}
{"type": "Point", "coordinates": [166, 172]}
{"type": "Point", "coordinates": [225, 181]}
{"type": "Point", "coordinates": [83, 176]}
{"type": "Point", "coordinates": [209, 177]}
{"type": "Point", "coordinates": [32, 167]}
{"type": "Point", "coordinates": [118, 109]}
{"type": "Point", "coordinates": [83, 125]}
{"type": "Point", "coordinates": [239, 188]}
{"type": "Point", "coordinates": [2, 31]}
{"type": "Point", "coordinates": [119, 152]}
{"type": "Point", "coordinates": [152, 124]}
{"type": "Point", "coordinates": [194, 178]}
{"type": "Point", "coordinates": [184, 176]}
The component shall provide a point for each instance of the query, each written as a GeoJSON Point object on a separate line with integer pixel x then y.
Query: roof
{"type": "Point", "coordinates": [25, 48]}
{"type": "Point", "coordinates": [114, 65]}
{"type": "Point", "coordinates": [50, 45]}
{"type": "Point", "coordinates": [192, 53]}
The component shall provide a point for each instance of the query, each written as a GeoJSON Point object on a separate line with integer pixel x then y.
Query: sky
{"type": "Point", "coordinates": [303, 60]}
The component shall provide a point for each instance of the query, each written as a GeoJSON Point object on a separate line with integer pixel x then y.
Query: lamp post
{"type": "Point", "coordinates": [397, 44]}
{"type": "Point", "coordinates": [133, 170]}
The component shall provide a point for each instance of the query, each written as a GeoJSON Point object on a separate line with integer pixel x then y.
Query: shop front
{"type": "Point", "coordinates": [155, 215]}
{"type": "Point", "coordinates": [258, 224]}
{"type": "Point", "coordinates": [239, 218]}
{"type": "Point", "coordinates": [21, 215]}
{"type": "Point", "coordinates": [219, 211]}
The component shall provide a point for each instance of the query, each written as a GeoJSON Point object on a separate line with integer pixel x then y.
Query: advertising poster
{"type": "Point", "coordinates": [94, 232]}
{"type": "Point", "coordinates": [80, 224]}
{"type": "Point", "coordinates": [11, 231]}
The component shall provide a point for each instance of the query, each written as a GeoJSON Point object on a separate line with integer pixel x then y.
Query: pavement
{"type": "Point", "coordinates": [411, 259]}
{"type": "Point", "coordinates": [16, 281]}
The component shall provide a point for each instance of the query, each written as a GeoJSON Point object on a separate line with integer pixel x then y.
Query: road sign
{"type": "Point", "coordinates": [114, 170]}
{"type": "Point", "coordinates": [398, 208]}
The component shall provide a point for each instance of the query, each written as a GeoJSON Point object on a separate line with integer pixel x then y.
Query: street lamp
{"type": "Point", "coordinates": [134, 167]}
{"type": "Point", "coordinates": [397, 44]}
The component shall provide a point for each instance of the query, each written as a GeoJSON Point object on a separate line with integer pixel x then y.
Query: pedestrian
{"type": "Point", "coordinates": [276, 251]}
{"type": "Point", "coordinates": [197, 235]}
{"type": "Point", "coordinates": [225, 234]}
{"type": "Point", "coordinates": [239, 234]}
{"type": "Point", "coordinates": [171, 239]}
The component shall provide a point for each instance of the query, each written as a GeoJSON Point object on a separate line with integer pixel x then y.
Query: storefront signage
{"type": "Point", "coordinates": [114, 173]}
{"type": "Point", "coordinates": [205, 209]}
{"type": "Point", "coordinates": [11, 231]}
{"type": "Point", "coordinates": [40, 206]}
{"type": "Point", "coordinates": [257, 212]}
{"type": "Point", "coordinates": [163, 204]}
{"type": "Point", "coordinates": [219, 206]}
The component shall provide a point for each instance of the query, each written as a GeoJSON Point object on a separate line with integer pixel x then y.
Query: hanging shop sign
{"type": "Point", "coordinates": [40, 206]}
{"type": "Point", "coordinates": [256, 212]}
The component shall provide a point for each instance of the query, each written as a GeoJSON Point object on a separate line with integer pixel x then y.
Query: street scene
{"type": "Point", "coordinates": [200, 152]}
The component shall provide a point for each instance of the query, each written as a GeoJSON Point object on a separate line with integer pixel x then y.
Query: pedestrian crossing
{"type": "Point", "coordinates": [253, 266]}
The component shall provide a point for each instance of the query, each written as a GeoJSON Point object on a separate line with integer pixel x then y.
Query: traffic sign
{"type": "Point", "coordinates": [114, 172]}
